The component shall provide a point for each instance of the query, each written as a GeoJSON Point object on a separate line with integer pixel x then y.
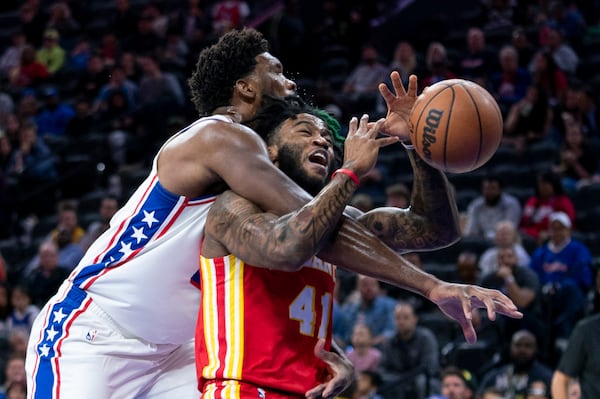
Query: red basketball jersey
{"type": "Point", "coordinates": [260, 326]}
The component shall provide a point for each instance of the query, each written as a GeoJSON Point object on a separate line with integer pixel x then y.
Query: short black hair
{"type": "Point", "coordinates": [221, 65]}
{"type": "Point", "coordinates": [553, 179]}
{"type": "Point", "coordinates": [494, 177]}
{"type": "Point", "coordinates": [374, 376]}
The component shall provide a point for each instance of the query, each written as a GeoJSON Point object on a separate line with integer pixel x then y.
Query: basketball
{"type": "Point", "coordinates": [456, 125]}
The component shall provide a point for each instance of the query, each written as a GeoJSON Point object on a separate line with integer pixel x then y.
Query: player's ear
{"type": "Point", "coordinates": [273, 150]}
{"type": "Point", "coordinates": [246, 88]}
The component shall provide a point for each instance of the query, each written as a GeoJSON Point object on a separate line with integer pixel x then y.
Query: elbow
{"type": "Point", "coordinates": [291, 259]}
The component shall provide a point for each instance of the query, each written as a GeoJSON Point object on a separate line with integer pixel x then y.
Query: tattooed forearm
{"type": "Point", "coordinates": [431, 221]}
{"type": "Point", "coordinates": [285, 242]}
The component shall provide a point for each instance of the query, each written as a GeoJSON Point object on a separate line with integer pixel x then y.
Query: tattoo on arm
{"type": "Point", "coordinates": [430, 222]}
{"type": "Point", "coordinates": [285, 242]}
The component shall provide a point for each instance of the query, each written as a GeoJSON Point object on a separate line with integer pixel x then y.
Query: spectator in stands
{"type": "Point", "coordinates": [7, 106]}
{"type": "Point", "coordinates": [368, 382]}
{"type": "Point", "coordinates": [43, 281]}
{"type": "Point", "coordinates": [51, 54]}
{"type": "Point", "coordinates": [529, 120]}
{"type": "Point", "coordinates": [109, 48]}
{"type": "Point", "coordinates": [547, 75]}
{"type": "Point", "coordinates": [510, 83]}
{"type": "Point", "coordinates": [16, 390]}
{"type": "Point", "coordinates": [506, 236]}
{"type": "Point", "coordinates": [549, 197]}
{"type": "Point", "coordinates": [577, 160]}
{"type": "Point", "coordinates": [521, 284]}
{"type": "Point", "coordinates": [160, 93]}
{"type": "Point", "coordinates": [371, 307]}
{"type": "Point", "coordinates": [513, 377]}
{"type": "Point", "coordinates": [404, 61]}
{"type": "Point", "coordinates": [174, 54]}
{"type": "Point", "coordinates": [478, 61]}
{"type": "Point", "coordinates": [79, 55]}
{"type": "Point", "coordinates": [455, 384]}
{"type": "Point", "coordinates": [23, 311]}
{"type": "Point", "coordinates": [438, 65]}
{"type": "Point", "coordinates": [160, 22]}
{"type": "Point", "coordinates": [195, 22]}
{"type": "Point", "coordinates": [467, 268]}
{"type": "Point", "coordinates": [61, 20]}
{"type": "Point", "coordinates": [362, 353]}
{"type": "Point", "coordinates": [565, 57]}
{"type": "Point", "coordinates": [82, 123]}
{"type": "Point", "coordinates": [590, 113]}
{"type": "Point", "coordinates": [563, 266]}
{"type": "Point", "coordinates": [33, 22]}
{"type": "Point", "coordinates": [12, 125]}
{"type": "Point", "coordinates": [359, 92]}
{"type": "Point", "coordinates": [156, 86]}
{"type": "Point", "coordinates": [124, 19]}
{"type": "Point", "coordinates": [54, 115]}
{"type": "Point", "coordinates": [568, 18]}
{"type": "Point", "coordinates": [492, 206]}
{"type": "Point", "coordinates": [14, 373]}
{"type": "Point", "coordinates": [523, 45]}
{"type": "Point", "coordinates": [144, 40]}
{"type": "Point", "coordinates": [410, 358]}
{"type": "Point", "coordinates": [567, 110]}
{"type": "Point", "coordinates": [498, 14]}
{"type": "Point", "coordinates": [108, 207]}
{"type": "Point", "coordinates": [578, 364]}
{"type": "Point", "coordinates": [118, 83]}
{"type": "Point", "coordinates": [228, 15]}
{"type": "Point", "coordinates": [94, 77]}
{"type": "Point", "coordinates": [11, 56]}
{"type": "Point", "coordinates": [29, 72]}
{"type": "Point", "coordinates": [33, 166]}
{"type": "Point", "coordinates": [397, 195]}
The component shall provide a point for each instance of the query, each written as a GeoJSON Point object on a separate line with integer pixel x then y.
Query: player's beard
{"type": "Point", "coordinates": [289, 164]}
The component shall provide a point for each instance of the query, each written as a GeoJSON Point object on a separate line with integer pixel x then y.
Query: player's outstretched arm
{"type": "Point", "coordinates": [431, 221]}
{"type": "Point", "coordinates": [560, 384]}
{"type": "Point", "coordinates": [237, 155]}
{"type": "Point", "coordinates": [286, 242]}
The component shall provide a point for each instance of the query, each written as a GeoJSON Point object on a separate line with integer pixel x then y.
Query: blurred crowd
{"type": "Point", "coordinates": [90, 89]}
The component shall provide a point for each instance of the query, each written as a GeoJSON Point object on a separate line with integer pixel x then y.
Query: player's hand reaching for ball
{"type": "Point", "coordinates": [362, 145]}
{"type": "Point", "coordinates": [457, 301]}
{"type": "Point", "coordinates": [341, 374]}
{"type": "Point", "coordinates": [399, 104]}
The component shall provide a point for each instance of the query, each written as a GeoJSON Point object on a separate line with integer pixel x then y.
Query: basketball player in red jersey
{"type": "Point", "coordinates": [258, 322]}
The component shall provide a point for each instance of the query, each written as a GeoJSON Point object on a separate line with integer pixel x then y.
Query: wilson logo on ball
{"type": "Point", "coordinates": [432, 122]}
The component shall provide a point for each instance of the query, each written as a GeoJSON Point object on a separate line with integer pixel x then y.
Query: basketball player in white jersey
{"type": "Point", "coordinates": [122, 325]}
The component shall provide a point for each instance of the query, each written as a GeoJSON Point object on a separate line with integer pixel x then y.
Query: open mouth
{"type": "Point", "coordinates": [319, 157]}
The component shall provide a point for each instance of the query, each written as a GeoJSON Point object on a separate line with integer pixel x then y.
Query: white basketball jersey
{"type": "Point", "coordinates": [140, 270]}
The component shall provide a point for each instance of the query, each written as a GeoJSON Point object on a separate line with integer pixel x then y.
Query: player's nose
{"type": "Point", "coordinates": [290, 85]}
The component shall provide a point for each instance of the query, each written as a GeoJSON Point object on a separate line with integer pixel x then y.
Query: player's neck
{"type": "Point", "coordinates": [231, 112]}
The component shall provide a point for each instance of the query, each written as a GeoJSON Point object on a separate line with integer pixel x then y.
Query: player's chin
{"type": "Point", "coordinates": [316, 171]}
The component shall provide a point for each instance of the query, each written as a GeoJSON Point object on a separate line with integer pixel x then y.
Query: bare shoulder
{"type": "Point", "coordinates": [190, 163]}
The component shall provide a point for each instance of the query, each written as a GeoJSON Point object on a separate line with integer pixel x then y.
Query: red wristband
{"type": "Point", "coordinates": [348, 173]}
